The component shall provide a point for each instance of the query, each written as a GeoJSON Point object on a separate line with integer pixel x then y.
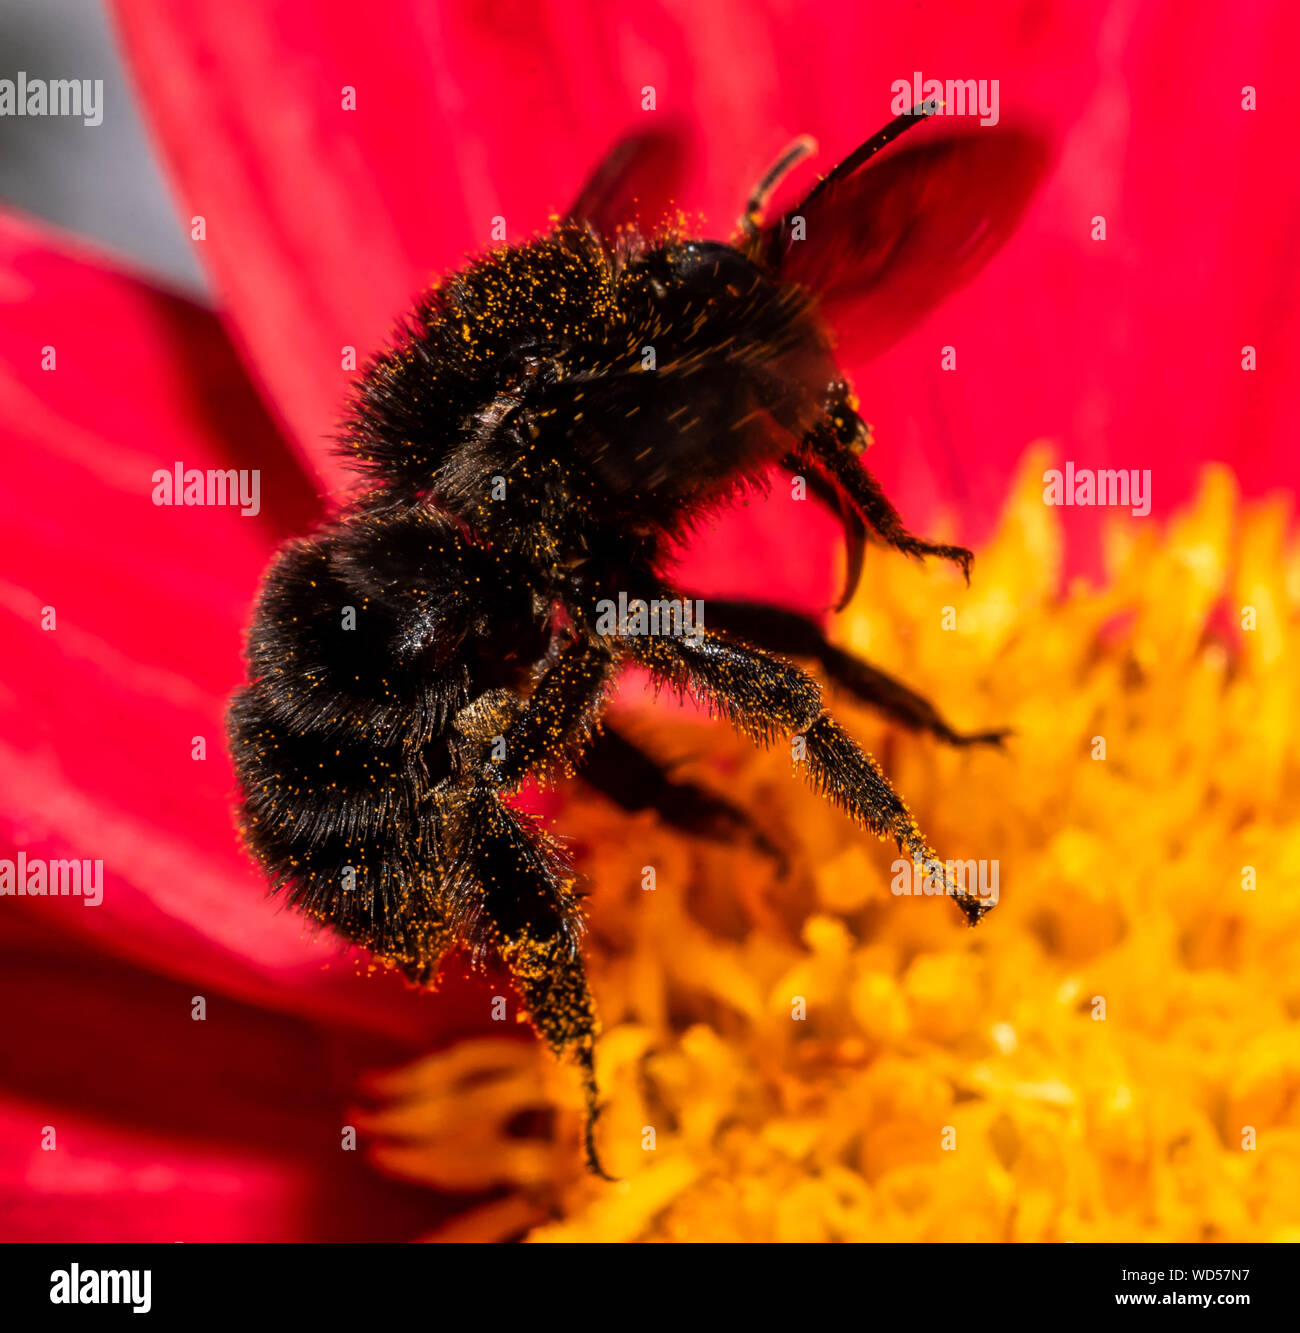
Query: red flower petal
{"type": "Point", "coordinates": [329, 219]}
{"type": "Point", "coordinates": [167, 1128]}
{"type": "Point", "coordinates": [100, 713]}
{"type": "Point", "coordinates": [1122, 353]}
{"type": "Point", "coordinates": [323, 221]}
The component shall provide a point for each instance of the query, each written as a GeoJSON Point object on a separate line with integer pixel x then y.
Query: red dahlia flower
{"type": "Point", "coordinates": [123, 619]}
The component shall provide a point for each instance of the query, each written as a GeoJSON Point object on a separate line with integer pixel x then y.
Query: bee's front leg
{"type": "Point", "coordinates": [836, 445]}
{"type": "Point", "coordinates": [511, 888]}
{"type": "Point", "coordinates": [552, 728]}
{"type": "Point", "coordinates": [510, 891]}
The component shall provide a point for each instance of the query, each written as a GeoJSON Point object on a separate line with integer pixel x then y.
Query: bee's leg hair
{"type": "Point", "coordinates": [511, 890]}
{"type": "Point", "coordinates": [559, 719]}
{"type": "Point", "coordinates": [841, 459]}
{"type": "Point", "coordinates": [768, 698]}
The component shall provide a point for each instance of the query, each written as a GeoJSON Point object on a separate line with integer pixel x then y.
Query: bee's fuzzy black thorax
{"type": "Point", "coordinates": [645, 382]}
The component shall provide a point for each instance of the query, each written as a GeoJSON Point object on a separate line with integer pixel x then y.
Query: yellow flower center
{"type": "Point", "coordinates": [1113, 1054]}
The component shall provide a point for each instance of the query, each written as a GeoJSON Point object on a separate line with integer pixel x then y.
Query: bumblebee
{"type": "Point", "coordinates": [546, 424]}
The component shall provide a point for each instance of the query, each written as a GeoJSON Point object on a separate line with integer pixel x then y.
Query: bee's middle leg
{"type": "Point", "coordinates": [635, 780]}
{"type": "Point", "coordinates": [557, 722]}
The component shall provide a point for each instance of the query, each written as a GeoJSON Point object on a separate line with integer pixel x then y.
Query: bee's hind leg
{"type": "Point", "coordinates": [768, 698]}
{"type": "Point", "coordinates": [783, 631]}
{"type": "Point", "coordinates": [635, 780]}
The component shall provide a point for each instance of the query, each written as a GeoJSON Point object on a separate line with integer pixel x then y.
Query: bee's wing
{"type": "Point", "coordinates": [887, 243]}
{"type": "Point", "coordinates": [638, 180]}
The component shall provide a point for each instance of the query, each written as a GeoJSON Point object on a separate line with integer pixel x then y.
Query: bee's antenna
{"type": "Point", "coordinates": [865, 152]}
{"type": "Point", "coordinates": [804, 146]}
